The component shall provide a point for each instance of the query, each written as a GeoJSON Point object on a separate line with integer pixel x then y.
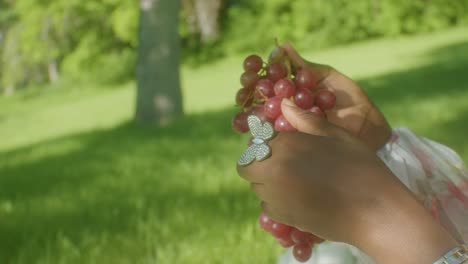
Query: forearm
{"type": "Point", "coordinates": [404, 234]}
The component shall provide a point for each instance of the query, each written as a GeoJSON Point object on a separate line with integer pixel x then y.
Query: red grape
{"type": "Point", "coordinates": [248, 79]}
{"type": "Point", "coordinates": [300, 237]}
{"type": "Point", "coordinates": [304, 99]}
{"type": "Point", "coordinates": [302, 252]}
{"type": "Point", "coordinates": [264, 89]}
{"type": "Point", "coordinates": [285, 241]}
{"type": "Point", "coordinates": [325, 99]}
{"type": "Point", "coordinates": [259, 111]}
{"type": "Point", "coordinates": [253, 63]}
{"type": "Point", "coordinates": [276, 71]}
{"type": "Point", "coordinates": [239, 122]}
{"type": "Point", "coordinates": [284, 88]}
{"type": "Point", "coordinates": [316, 110]}
{"type": "Point", "coordinates": [244, 97]}
{"type": "Point", "coordinates": [305, 79]}
{"type": "Point", "coordinates": [273, 107]}
{"type": "Point", "coordinates": [265, 222]}
{"type": "Point", "coordinates": [280, 230]}
{"type": "Point", "coordinates": [276, 54]}
{"type": "Point", "coordinates": [281, 124]}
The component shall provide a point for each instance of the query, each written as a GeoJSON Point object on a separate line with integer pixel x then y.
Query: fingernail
{"type": "Point", "coordinates": [288, 102]}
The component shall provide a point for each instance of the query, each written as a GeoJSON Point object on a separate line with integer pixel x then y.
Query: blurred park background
{"type": "Point", "coordinates": [82, 182]}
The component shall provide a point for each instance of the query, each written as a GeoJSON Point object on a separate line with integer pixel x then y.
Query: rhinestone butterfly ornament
{"type": "Point", "coordinates": [259, 150]}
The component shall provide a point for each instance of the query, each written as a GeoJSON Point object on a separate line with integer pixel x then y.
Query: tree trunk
{"type": "Point", "coordinates": [52, 71]}
{"type": "Point", "coordinates": [207, 17]}
{"type": "Point", "coordinates": [159, 99]}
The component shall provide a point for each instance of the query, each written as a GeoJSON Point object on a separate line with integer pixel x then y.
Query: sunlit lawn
{"type": "Point", "coordinates": [79, 183]}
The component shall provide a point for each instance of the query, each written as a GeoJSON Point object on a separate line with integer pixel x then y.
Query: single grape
{"type": "Point", "coordinates": [284, 88]}
{"type": "Point", "coordinates": [248, 79]}
{"type": "Point", "coordinates": [280, 230]}
{"type": "Point", "coordinates": [239, 122]}
{"type": "Point", "coordinates": [325, 99]}
{"type": "Point", "coordinates": [285, 242]}
{"type": "Point", "coordinates": [259, 111]}
{"type": "Point", "coordinates": [316, 110]}
{"type": "Point", "coordinates": [276, 54]}
{"type": "Point", "coordinates": [276, 71]}
{"type": "Point", "coordinates": [273, 107]}
{"type": "Point", "coordinates": [244, 97]}
{"type": "Point", "coordinates": [253, 63]}
{"type": "Point", "coordinates": [300, 237]}
{"type": "Point", "coordinates": [281, 124]}
{"type": "Point", "coordinates": [304, 99]}
{"type": "Point", "coordinates": [265, 222]}
{"type": "Point", "coordinates": [305, 79]}
{"type": "Point", "coordinates": [264, 90]}
{"type": "Point", "coordinates": [302, 252]}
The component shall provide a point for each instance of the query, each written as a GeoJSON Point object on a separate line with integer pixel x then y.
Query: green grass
{"type": "Point", "coordinates": [79, 183]}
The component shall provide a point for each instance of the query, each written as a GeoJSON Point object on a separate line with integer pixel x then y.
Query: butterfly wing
{"type": "Point", "coordinates": [267, 131]}
{"type": "Point", "coordinates": [248, 156]}
{"type": "Point", "coordinates": [260, 130]}
{"type": "Point", "coordinates": [262, 151]}
{"type": "Point", "coordinates": [255, 125]}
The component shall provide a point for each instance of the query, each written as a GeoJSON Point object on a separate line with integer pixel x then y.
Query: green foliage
{"type": "Point", "coordinates": [96, 39]}
{"type": "Point", "coordinates": [88, 39]}
{"type": "Point", "coordinates": [253, 24]}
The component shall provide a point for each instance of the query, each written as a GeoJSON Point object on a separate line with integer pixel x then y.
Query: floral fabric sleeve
{"type": "Point", "coordinates": [433, 172]}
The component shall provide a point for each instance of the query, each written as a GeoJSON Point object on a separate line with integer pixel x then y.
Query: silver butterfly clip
{"type": "Point", "coordinates": [259, 150]}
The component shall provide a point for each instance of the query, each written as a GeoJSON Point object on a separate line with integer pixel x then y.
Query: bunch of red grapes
{"type": "Point", "coordinates": [288, 236]}
{"type": "Point", "coordinates": [264, 85]}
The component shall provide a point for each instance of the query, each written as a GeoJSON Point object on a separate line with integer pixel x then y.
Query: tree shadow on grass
{"type": "Point", "coordinates": [445, 72]}
{"type": "Point", "coordinates": [117, 177]}
{"type": "Point", "coordinates": [453, 133]}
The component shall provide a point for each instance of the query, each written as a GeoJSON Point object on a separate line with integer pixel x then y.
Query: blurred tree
{"type": "Point", "coordinates": [159, 99]}
{"type": "Point", "coordinates": [82, 40]}
{"type": "Point", "coordinates": [202, 18]}
{"type": "Point", "coordinates": [6, 19]}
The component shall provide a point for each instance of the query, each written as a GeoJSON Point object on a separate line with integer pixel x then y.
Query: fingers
{"type": "Point", "coordinates": [321, 71]}
{"type": "Point", "coordinates": [261, 190]}
{"type": "Point", "coordinates": [295, 58]}
{"type": "Point", "coordinates": [255, 172]}
{"type": "Point", "coordinates": [258, 188]}
{"type": "Point", "coordinates": [307, 122]}
{"type": "Point", "coordinates": [267, 210]}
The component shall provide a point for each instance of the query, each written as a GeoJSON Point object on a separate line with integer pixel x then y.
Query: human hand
{"type": "Point", "coordinates": [306, 182]}
{"type": "Point", "coordinates": [326, 182]}
{"type": "Point", "coordinates": [354, 111]}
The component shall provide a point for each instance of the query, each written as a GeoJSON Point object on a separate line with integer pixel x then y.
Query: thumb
{"type": "Point", "coordinates": [307, 122]}
{"type": "Point", "coordinates": [296, 59]}
{"type": "Point", "coordinates": [321, 71]}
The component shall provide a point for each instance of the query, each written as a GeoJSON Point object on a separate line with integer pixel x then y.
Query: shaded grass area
{"type": "Point", "coordinates": [431, 99]}
{"type": "Point", "coordinates": [118, 193]}
{"type": "Point", "coordinates": [130, 195]}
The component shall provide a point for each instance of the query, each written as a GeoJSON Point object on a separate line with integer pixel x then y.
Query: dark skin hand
{"type": "Point", "coordinates": [354, 111]}
{"type": "Point", "coordinates": [324, 180]}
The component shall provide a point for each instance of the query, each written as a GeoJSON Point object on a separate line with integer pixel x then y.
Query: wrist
{"type": "Point", "coordinates": [382, 139]}
{"type": "Point", "coordinates": [401, 231]}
